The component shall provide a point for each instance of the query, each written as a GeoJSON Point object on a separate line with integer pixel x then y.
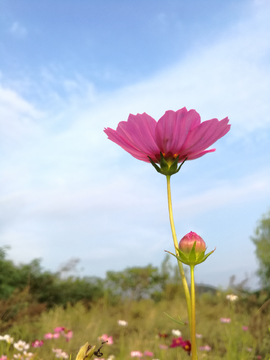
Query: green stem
{"type": "Point", "coordinates": [181, 269]}
{"type": "Point", "coordinates": [193, 315]}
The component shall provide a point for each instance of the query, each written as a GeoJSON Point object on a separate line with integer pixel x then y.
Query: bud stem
{"type": "Point", "coordinates": [181, 269]}
{"type": "Point", "coordinates": [193, 315]}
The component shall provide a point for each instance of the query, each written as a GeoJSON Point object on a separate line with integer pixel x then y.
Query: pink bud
{"type": "Point", "coordinates": [186, 243]}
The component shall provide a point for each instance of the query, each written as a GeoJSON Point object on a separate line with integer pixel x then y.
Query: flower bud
{"type": "Point", "coordinates": [187, 242]}
{"type": "Point", "coordinates": [191, 250]}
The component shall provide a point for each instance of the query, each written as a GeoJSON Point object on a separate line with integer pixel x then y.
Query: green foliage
{"type": "Point", "coordinates": [262, 241]}
{"type": "Point", "coordinates": [138, 283]}
{"type": "Point", "coordinates": [91, 307]}
{"type": "Point", "coordinates": [44, 286]}
{"type": "Point", "coordinates": [146, 319]}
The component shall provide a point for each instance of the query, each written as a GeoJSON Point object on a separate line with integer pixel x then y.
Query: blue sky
{"type": "Point", "coordinates": [68, 69]}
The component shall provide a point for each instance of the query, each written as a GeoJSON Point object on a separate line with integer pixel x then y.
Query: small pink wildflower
{"type": "Point", "coordinates": [37, 343]}
{"type": "Point", "coordinates": [185, 344]}
{"type": "Point", "coordinates": [225, 320]}
{"type": "Point", "coordinates": [3, 357]}
{"type": "Point", "coordinates": [51, 336]}
{"type": "Point", "coordinates": [107, 338]}
{"type": "Point", "coordinates": [249, 349]}
{"type": "Point", "coordinates": [136, 354]}
{"type": "Point", "coordinates": [68, 335]}
{"type": "Point", "coordinates": [163, 347]}
{"type": "Point", "coordinates": [205, 348]}
{"type": "Point", "coordinates": [148, 353]}
{"type": "Point", "coordinates": [245, 328]}
{"type": "Point", "coordinates": [199, 336]}
{"type": "Point", "coordinates": [59, 329]}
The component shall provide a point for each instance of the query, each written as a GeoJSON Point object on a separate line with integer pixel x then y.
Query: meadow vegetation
{"type": "Point", "coordinates": [65, 313]}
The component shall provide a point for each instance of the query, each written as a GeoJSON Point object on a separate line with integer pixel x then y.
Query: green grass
{"type": "Point", "coordinates": [146, 320]}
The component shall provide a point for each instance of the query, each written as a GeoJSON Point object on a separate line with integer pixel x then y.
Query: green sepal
{"type": "Point", "coordinates": [166, 167]}
{"type": "Point", "coordinates": [155, 165]}
{"type": "Point", "coordinates": [178, 322]}
{"type": "Point", "coordinates": [183, 257]}
{"type": "Point", "coordinates": [189, 260]}
{"type": "Point", "coordinates": [206, 256]}
{"type": "Point", "coordinates": [163, 164]}
{"type": "Point", "coordinates": [201, 256]}
{"type": "Point", "coordinates": [192, 255]}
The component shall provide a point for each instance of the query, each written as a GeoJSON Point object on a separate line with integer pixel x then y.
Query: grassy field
{"type": "Point", "coordinates": [246, 336]}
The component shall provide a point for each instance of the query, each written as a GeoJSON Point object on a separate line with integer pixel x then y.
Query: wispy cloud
{"type": "Point", "coordinates": [18, 116]}
{"type": "Point", "coordinates": [18, 30]}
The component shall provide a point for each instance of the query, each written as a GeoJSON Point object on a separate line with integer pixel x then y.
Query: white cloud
{"type": "Point", "coordinates": [18, 30]}
{"type": "Point", "coordinates": [18, 116]}
{"type": "Point", "coordinates": [228, 78]}
{"type": "Point", "coordinates": [234, 192]}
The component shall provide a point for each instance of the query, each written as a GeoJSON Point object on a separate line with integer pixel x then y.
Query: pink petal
{"type": "Point", "coordinates": [198, 155]}
{"type": "Point", "coordinates": [119, 140]}
{"type": "Point", "coordinates": [59, 329]}
{"type": "Point", "coordinates": [205, 135]}
{"type": "Point", "coordinates": [173, 128]}
{"type": "Point", "coordinates": [139, 131]}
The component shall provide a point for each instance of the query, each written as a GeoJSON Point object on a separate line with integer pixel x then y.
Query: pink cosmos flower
{"type": "Point", "coordinates": [185, 344]}
{"type": "Point", "coordinates": [68, 334]}
{"type": "Point", "coordinates": [148, 353]}
{"type": "Point", "coordinates": [176, 135]}
{"type": "Point", "coordinates": [51, 336]}
{"type": "Point", "coordinates": [205, 348]}
{"type": "Point", "coordinates": [225, 320]}
{"type": "Point", "coordinates": [107, 338]}
{"type": "Point", "coordinates": [37, 343]}
{"type": "Point", "coordinates": [59, 329]}
{"type": "Point", "coordinates": [136, 354]}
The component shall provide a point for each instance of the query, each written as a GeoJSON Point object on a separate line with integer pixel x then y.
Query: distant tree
{"type": "Point", "coordinates": [136, 282]}
{"type": "Point", "coordinates": [261, 239]}
{"type": "Point", "coordinates": [45, 286]}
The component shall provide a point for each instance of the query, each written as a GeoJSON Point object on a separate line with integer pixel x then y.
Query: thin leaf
{"type": "Point", "coordinates": [178, 322]}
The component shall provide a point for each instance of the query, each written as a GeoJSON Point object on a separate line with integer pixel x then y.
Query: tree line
{"type": "Point", "coordinates": [52, 288]}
